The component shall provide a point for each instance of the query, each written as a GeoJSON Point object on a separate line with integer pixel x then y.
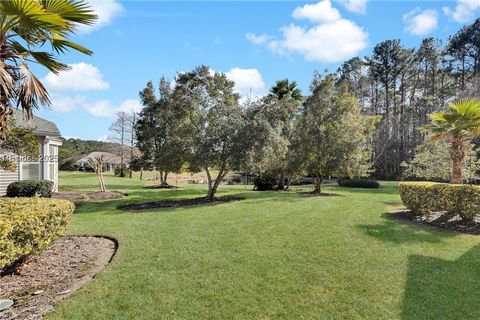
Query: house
{"type": "Point", "coordinates": [110, 161]}
{"type": "Point", "coordinates": [46, 166]}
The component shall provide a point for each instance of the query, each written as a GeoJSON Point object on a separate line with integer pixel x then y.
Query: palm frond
{"type": "Point", "coordinates": [7, 85]}
{"type": "Point", "coordinates": [31, 92]}
{"type": "Point", "coordinates": [27, 17]}
{"type": "Point", "coordinates": [73, 11]}
{"type": "Point", "coordinates": [61, 45]}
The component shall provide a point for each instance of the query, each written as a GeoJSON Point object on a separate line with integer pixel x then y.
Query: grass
{"type": "Point", "coordinates": [272, 256]}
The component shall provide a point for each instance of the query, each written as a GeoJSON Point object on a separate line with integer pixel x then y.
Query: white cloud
{"type": "Point", "coordinates": [330, 42]}
{"type": "Point", "coordinates": [106, 10]}
{"type": "Point", "coordinates": [248, 82]}
{"type": "Point", "coordinates": [80, 77]}
{"type": "Point", "coordinates": [465, 11]}
{"type": "Point", "coordinates": [257, 39]}
{"type": "Point", "coordinates": [62, 103]}
{"type": "Point", "coordinates": [331, 39]}
{"type": "Point", "coordinates": [420, 23]}
{"type": "Point", "coordinates": [103, 138]}
{"type": "Point", "coordinates": [105, 109]}
{"type": "Point", "coordinates": [356, 6]}
{"type": "Point", "coordinates": [130, 105]}
{"type": "Point", "coordinates": [319, 12]}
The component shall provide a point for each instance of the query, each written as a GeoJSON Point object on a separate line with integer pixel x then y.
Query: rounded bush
{"type": "Point", "coordinates": [358, 183]}
{"type": "Point", "coordinates": [427, 197]}
{"type": "Point", "coordinates": [29, 225]}
{"type": "Point", "coordinates": [30, 188]}
{"type": "Point", "coordinates": [264, 183]}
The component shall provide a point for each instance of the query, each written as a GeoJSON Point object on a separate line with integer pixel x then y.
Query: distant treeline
{"type": "Point", "coordinates": [77, 147]}
{"type": "Point", "coordinates": [403, 85]}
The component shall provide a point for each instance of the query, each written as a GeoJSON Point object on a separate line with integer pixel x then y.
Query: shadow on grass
{"type": "Point", "coordinates": [400, 232]}
{"type": "Point", "coordinates": [441, 289]}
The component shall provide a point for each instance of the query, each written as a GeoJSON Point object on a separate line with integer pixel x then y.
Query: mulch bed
{"type": "Point", "coordinates": [175, 203]}
{"type": "Point", "coordinates": [77, 196]}
{"type": "Point", "coordinates": [43, 279]}
{"type": "Point", "coordinates": [441, 220]}
{"type": "Point", "coordinates": [160, 186]}
{"type": "Point", "coordinates": [323, 194]}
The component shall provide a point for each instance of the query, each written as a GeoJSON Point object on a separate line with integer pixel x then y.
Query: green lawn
{"type": "Point", "coordinates": [272, 256]}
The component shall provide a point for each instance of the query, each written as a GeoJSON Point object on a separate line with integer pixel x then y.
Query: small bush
{"type": "Point", "coordinates": [358, 183]}
{"type": "Point", "coordinates": [30, 188]}
{"type": "Point", "coordinates": [68, 165]}
{"type": "Point", "coordinates": [427, 197]}
{"type": "Point", "coordinates": [29, 225]}
{"type": "Point", "coordinates": [120, 171]}
{"type": "Point", "coordinates": [264, 182]}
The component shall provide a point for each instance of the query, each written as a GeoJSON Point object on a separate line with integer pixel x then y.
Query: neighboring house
{"type": "Point", "coordinates": [110, 161]}
{"type": "Point", "coordinates": [46, 166]}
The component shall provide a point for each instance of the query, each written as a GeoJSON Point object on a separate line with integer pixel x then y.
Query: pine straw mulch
{"type": "Point", "coordinates": [176, 203]}
{"type": "Point", "coordinates": [40, 281]}
{"type": "Point", "coordinates": [77, 196]}
{"type": "Point", "coordinates": [440, 220]}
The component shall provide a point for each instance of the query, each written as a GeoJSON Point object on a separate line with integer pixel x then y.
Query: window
{"type": "Point", "coordinates": [31, 170]}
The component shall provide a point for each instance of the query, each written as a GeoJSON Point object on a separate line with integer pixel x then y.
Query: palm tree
{"type": "Point", "coordinates": [27, 27]}
{"type": "Point", "coordinates": [457, 126]}
{"type": "Point", "coordinates": [284, 88]}
{"type": "Point", "coordinates": [285, 92]}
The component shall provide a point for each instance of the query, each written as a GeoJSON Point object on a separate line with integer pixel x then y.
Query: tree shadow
{"type": "Point", "coordinates": [400, 232]}
{"type": "Point", "coordinates": [442, 289]}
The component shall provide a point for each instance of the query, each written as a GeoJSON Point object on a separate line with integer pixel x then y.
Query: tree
{"type": "Point", "coordinates": [162, 130]}
{"type": "Point", "coordinates": [21, 142]}
{"type": "Point", "coordinates": [432, 162]}
{"type": "Point", "coordinates": [332, 133]}
{"type": "Point", "coordinates": [457, 126]}
{"type": "Point", "coordinates": [123, 133]}
{"type": "Point", "coordinates": [25, 29]}
{"type": "Point", "coordinates": [218, 127]}
{"type": "Point", "coordinates": [280, 108]}
{"type": "Point", "coordinates": [97, 165]}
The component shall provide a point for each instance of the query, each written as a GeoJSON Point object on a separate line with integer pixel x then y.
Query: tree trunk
{"type": "Point", "coordinates": [289, 181]}
{"type": "Point", "coordinates": [165, 178]}
{"type": "Point", "coordinates": [209, 181]}
{"type": "Point", "coordinates": [212, 187]}
{"type": "Point", "coordinates": [318, 185]}
{"type": "Point", "coordinates": [281, 181]}
{"type": "Point", "coordinates": [5, 112]}
{"type": "Point", "coordinates": [141, 174]}
{"type": "Point", "coordinates": [457, 153]}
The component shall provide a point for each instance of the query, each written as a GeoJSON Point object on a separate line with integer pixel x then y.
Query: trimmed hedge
{"type": "Point", "coordinates": [358, 183]}
{"type": "Point", "coordinates": [427, 197]}
{"type": "Point", "coordinates": [30, 188]}
{"type": "Point", "coordinates": [29, 225]}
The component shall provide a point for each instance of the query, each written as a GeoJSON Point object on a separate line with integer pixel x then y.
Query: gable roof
{"type": "Point", "coordinates": [41, 126]}
{"type": "Point", "coordinates": [107, 158]}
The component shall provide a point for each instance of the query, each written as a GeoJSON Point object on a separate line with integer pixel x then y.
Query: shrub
{"type": "Point", "coordinates": [264, 182]}
{"type": "Point", "coordinates": [427, 197]}
{"type": "Point", "coordinates": [29, 225]}
{"type": "Point", "coordinates": [358, 183]}
{"type": "Point", "coordinates": [120, 171]}
{"type": "Point", "coordinates": [69, 165]}
{"type": "Point", "coordinates": [30, 188]}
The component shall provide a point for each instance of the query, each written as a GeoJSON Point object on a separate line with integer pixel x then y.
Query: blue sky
{"type": "Point", "coordinates": [255, 43]}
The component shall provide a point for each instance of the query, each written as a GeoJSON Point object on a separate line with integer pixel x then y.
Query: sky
{"type": "Point", "coordinates": [254, 43]}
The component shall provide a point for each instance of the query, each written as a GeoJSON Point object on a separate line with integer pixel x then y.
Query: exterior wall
{"type": "Point", "coordinates": [45, 169]}
{"type": "Point", "coordinates": [7, 177]}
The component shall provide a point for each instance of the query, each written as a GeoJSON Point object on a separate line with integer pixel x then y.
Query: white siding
{"type": "Point", "coordinates": [7, 177]}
